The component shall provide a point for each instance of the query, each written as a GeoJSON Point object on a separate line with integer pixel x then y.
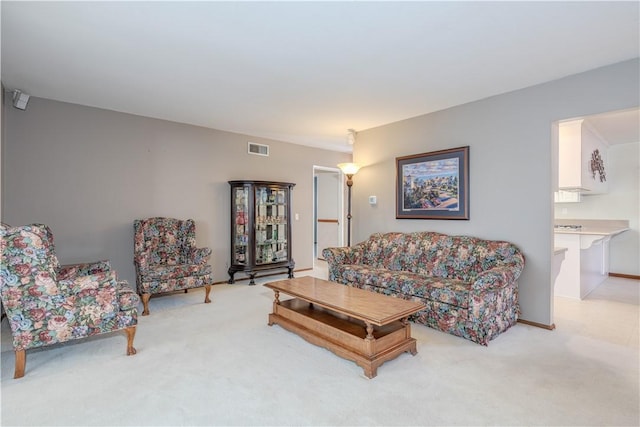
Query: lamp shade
{"type": "Point", "coordinates": [349, 168]}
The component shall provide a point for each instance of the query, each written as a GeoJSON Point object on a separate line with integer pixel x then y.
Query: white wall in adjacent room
{"type": "Point", "coordinates": [622, 201]}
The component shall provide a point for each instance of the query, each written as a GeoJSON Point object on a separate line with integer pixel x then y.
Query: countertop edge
{"type": "Point", "coordinates": [593, 231]}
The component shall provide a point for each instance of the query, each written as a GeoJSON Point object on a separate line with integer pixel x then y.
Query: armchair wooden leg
{"type": "Point", "coordinates": [207, 290]}
{"type": "Point", "coordinates": [21, 361]}
{"type": "Point", "coordinates": [131, 332]}
{"type": "Point", "coordinates": [145, 304]}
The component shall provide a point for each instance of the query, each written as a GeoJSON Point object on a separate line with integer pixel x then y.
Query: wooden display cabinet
{"type": "Point", "coordinates": [260, 228]}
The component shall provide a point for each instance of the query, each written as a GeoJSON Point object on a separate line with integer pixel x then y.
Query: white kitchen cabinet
{"type": "Point", "coordinates": [582, 158]}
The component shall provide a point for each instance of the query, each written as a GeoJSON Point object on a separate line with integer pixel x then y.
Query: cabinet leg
{"type": "Point", "coordinates": [290, 273]}
{"type": "Point", "coordinates": [231, 281]}
{"type": "Point", "coordinates": [252, 277]}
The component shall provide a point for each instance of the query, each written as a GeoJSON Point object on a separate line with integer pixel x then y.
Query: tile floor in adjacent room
{"type": "Point", "coordinates": [609, 313]}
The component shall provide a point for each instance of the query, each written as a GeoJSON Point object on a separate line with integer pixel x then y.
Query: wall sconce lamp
{"type": "Point", "coordinates": [349, 169]}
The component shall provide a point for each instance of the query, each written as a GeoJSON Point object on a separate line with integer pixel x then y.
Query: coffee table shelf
{"type": "Point", "coordinates": [355, 324]}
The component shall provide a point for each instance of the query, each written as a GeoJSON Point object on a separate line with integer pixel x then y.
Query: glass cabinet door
{"type": "Point", "coordinates": [260, 228]}
{"type": "Point", "coordinates": [271, 225]}
{"type": "Point", "coordinates": [240, 232]}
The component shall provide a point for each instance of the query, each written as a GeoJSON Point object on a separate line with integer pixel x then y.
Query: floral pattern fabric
{"type": "Point", "coordinates": [84, 269]}
{"type": "Point", "coordinates": [48, 304]}
{"type": "Point", "coordinates": [166, 257]}
{"type": "Point", "coordinates": [469, 285]}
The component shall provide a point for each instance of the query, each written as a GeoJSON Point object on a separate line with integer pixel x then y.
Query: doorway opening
{"type": "Point", "coordinates": [327, 209]}
{"type": "Point", "coordinates": [581, 267]}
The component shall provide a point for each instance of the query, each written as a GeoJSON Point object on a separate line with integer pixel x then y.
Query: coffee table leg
{"type": "Point", "coordinates": [407, 328]}
{"type": "Point", "coordinates": [276, 302]}
{"type": "Point", "coordinates": [370, 369]}
{"type": "Point", "coordinates": [370, 372]}
{"type": "Point", "coordinates": [369, 330]}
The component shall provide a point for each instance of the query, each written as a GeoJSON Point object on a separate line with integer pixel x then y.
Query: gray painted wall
{"type": "Point", "coordinates": [88, 173]}
{"type": "Point", "coordinates": [622, 201]}
{"type": "Point", "coordinates": [1, 141]}
{"type": "Point", "coordinates": [511, 158]}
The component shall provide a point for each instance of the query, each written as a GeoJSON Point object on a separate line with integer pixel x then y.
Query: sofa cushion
{"type": "Point", "coordinates": [167, 255]}
{"type": "Point", "coordinates": [444, 290]}
{"type": "Point", "coordinates": [435, 254]}
{"type": "Point", "coordinates": [398, 251]}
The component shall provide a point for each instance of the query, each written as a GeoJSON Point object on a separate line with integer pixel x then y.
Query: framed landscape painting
{"type": "Point", "coordinates": [433, 185]}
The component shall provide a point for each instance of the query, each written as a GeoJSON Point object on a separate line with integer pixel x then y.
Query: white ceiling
{"type": "Point", "coordinates": [302, 72]}
{"type": "Point", "coordinates": [619, 127]}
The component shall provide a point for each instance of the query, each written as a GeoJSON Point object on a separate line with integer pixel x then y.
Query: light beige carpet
{"type": "Point", "coordinates": [220, 364]}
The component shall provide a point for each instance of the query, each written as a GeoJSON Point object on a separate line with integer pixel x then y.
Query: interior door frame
{"type": "Point", "coordinates": [339, 201]}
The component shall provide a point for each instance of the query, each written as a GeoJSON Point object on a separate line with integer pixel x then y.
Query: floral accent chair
{"type": "Point", "coordinates": [47, 303]}
{"type": "Point", "coordinates": [167, 260]}
{"type": "Point", "coordinates": [3, 226]}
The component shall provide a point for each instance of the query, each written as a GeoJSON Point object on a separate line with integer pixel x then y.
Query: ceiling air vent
{"type": "Point", "coordinates": [258, 149]}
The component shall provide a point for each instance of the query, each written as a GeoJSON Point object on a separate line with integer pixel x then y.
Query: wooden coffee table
{"type": "Point", "coordinates": [363, 326]}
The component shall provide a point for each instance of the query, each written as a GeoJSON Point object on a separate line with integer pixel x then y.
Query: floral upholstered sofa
{"type": "Point", "coordinates": [469, 285]}
{"type": "Point", "coordinates": [48, 303]}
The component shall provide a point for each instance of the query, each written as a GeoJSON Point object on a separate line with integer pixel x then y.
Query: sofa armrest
{"type": "Point", "coordinates": [336, 257]}
{"type": "Point", "coordinates": [496, 278]}
{"type": "Point", "coordinates": [198, 255]}
{"type": "Point", "coordinates": [72, 270]}
{"type": "Point", "coordinates": [344, 255]}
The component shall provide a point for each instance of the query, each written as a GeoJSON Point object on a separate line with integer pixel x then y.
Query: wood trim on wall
{"type": "Point", "coordinates": [625, 276]}
{"type": "Point", "coordinates": [550, 327]}
{"type": "Point", "coordinates": [328, 220]}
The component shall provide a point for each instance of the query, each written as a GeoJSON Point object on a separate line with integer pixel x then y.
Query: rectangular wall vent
{"type": "Point", "coordinates": [258, 149]}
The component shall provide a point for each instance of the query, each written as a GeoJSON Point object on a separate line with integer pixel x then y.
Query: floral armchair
{"type": "Point", "coordinates": [166, 258]}
{"type": "Point", "coordinates": [47, 303]}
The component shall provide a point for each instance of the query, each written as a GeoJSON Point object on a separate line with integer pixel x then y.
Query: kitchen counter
{"type": "Point", "coordinates": [586, 263]}
{"type": "Point", "coordinates": [599, 227]}
{"type": "Point", "coordinates": [598, 231]}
